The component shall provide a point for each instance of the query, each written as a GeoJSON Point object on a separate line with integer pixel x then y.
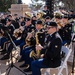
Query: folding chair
{"type": "Point", "coordinates": [0, 69]}
{"type": "Point", "coordinates": [63, 65]}
{"type": "Point", "coordinates": [0, 72]}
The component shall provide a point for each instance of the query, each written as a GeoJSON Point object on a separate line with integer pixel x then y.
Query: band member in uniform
{"type": "Point", "coordinates": [51, 50]}
{"type": "Point", "coordinates": [10, 29]}
{"type": "Point", "coordinates": [58, 20]}
{"type": "Point", "coordinates": [14, 21]}
{"type": "Point", "coordinates": [27, 15]}
{"type": "Point", "coordinates": [66, 30]}
{"type": "Point", "coordinates": [15, 16]}
{"type": "Point", "coordinates": [21, 21]}
{"type": "Point", "coordinates": [47, 19]}
{"type": "Point", "coordinates": [34, 20]}
{"type": "Point", "coordinates": [26, 52]}
{"type": "Point", "coordinates": [28, 28]}
{"type": "Point", "coordinates": [45, 10]}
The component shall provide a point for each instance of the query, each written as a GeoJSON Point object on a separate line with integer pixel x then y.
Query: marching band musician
{"type": "Point", "coordinates": [26, 51]}
{"type": "Point", "coordinates": [71, 14]}
{"type": "Point", "coordinates": [45, 10]}
{"type": "Point", "coordinates": [14, 22]}
{"type": "Point", "coordinates": [28, 28]}
{"type": "Point", "coordinates": [21, 21]}
{"type": "Point", "coordinates": [51, 51]}
{"type": "Point", "coordinates": [47, 19]}
{"type": "Point", "coordinates": [27, 15]}
{"type": "Point", "coordinates": [65, 31]}
{"type": "Point", "coordinates": [40, 15]}
{"type": "Point", "coordinates": [15, 16]}
{"type": "Point", "coordinates": [34, 20]}
{"type": "Point", "coordinates": [58, 20]}
{"type": "Point", "coordinates": [10, 29]}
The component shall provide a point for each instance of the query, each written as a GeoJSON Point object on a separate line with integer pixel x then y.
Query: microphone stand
{"type": "Point", "coordinates": [11, 65]}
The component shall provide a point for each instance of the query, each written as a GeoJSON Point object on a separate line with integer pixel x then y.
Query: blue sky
{"type": "Point", "coordinates": [26, 1]}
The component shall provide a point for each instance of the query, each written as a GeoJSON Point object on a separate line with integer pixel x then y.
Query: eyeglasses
{"type": "Point", "coordinates": [7, 21]}
{"type": "Point", "coordinates": [49, 27]}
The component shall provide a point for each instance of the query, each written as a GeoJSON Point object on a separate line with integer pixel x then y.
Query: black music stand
{"type": "Point", "coordinates": [73, 44]}
{"type": "Point", "coordinates": [11, 65]}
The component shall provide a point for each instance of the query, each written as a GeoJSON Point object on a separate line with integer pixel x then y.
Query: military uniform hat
{"type": "Point", "coordinates": [28, 14]}
{"type": "Point", "coordinates": [48, 17]}
{"type": "Point", "coordinates": [27, 19]}
{"type": "Point", "coordinates": [51, 24]}
{"type": "Point", "coordinates": [20, 17]}
{"type": "Point", "coordinates": [38, 22]}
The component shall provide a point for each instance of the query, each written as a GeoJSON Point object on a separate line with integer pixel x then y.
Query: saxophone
{"type": "Point", "coordinates": [28, 39]}
{"type": "Point", "coordinates": [37, 54]}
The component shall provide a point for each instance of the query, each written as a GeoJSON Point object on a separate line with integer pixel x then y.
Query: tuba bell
{"type": "Point", "coordinates": [28, 14]}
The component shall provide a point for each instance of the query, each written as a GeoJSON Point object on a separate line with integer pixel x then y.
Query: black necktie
{"type": "Point", "coordinates": [47, 39]}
